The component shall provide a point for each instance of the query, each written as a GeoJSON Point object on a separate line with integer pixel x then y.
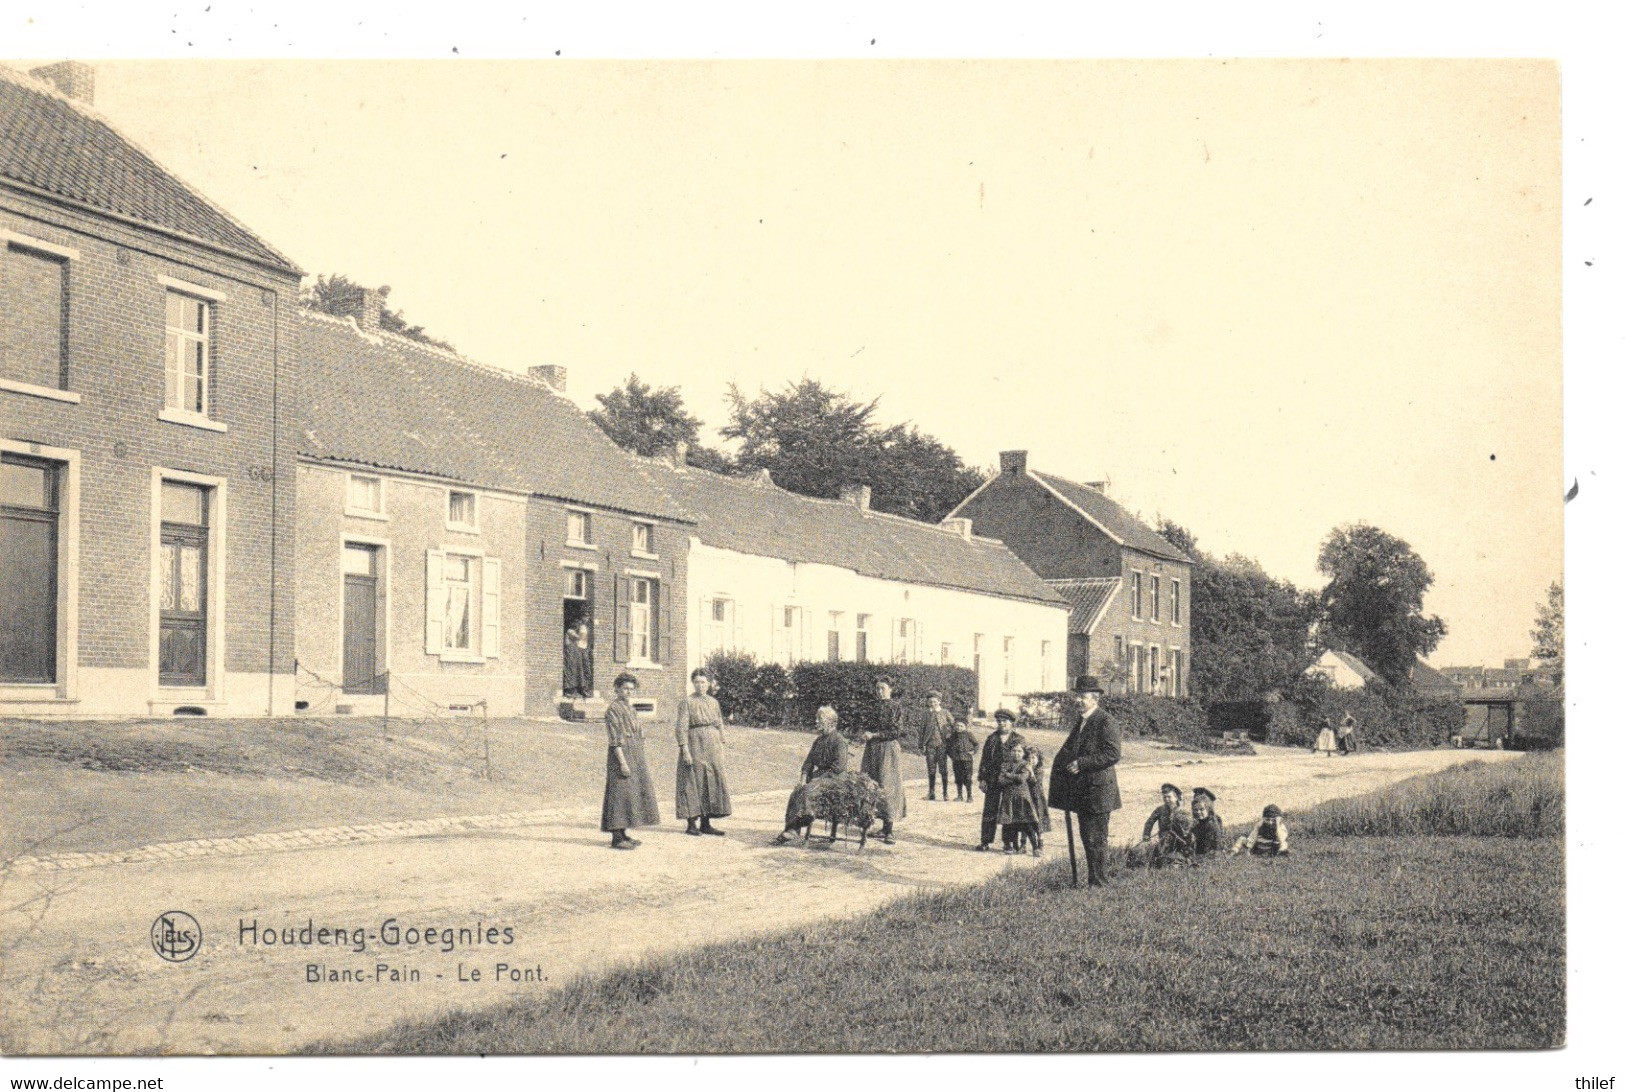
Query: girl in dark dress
{"type": "Point", "coordinates": [629, 794]}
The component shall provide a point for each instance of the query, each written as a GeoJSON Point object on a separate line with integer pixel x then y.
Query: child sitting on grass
{"type": "Point", "coordinates": [1166, 837]}
{"type": "Point", "coordinates": [1016, 803]}
{"type": "Point", "coordinates": [1207, 829]}
{"type": "Point", "coordinates": [1267, 838]}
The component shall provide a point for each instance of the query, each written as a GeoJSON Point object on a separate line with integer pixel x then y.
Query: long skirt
{"type": "Point", "coordinates": [702, 788]}
{"type": "Point", "coordinates": [1326, 741]}
{"type": "Point", "coordinates": [629, 801]}
{"type": "Point", "coordinates": [883, 761]}
{"type": "Point", "coordinates": [1016, 805]}
{"type": "Point", "coordinates": [799, 810]}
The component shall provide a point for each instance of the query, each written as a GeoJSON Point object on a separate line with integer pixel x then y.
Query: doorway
{"type": "Point", "coordinates": [361, 674]}
{"type": "Point", "coordinates": [576, 623]}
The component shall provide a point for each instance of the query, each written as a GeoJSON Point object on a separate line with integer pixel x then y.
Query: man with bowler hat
{"type": "Point", "coordinates": [1083, 778]}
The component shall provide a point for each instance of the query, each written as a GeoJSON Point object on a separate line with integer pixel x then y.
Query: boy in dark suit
{"type": "Point", "coordinates": [998, 749]}
{"type": "Point", "coordinates": [962, 748]}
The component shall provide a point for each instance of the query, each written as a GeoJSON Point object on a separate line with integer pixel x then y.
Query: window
{"type": "Point", "coordinates": [833, 652]}
{"type": "Point", "coordinates": [459, 600]}
{"type": "Point", "coordinates": [947, 654]}
{"type": "Point", "coordinates": [1043, 665]}
{"type": "Point", "coordinates": [1156, 670]}
{"type": "Point", "coordinates": [645, 604]}
{"type": "Point", "coordinates": [862, 649]}
{"type": "Point", "coordinates": [1173, 603]}
{"type": "Point", "coordinates": [1119, 657]}
{"type": "Point", "coordinates": [29, 506]}
{"type": "Point", "coordinates": [1009, 661]}
{"type": "Point", "coordinates": [186, 354]}
{"type": "Point", "coordinates": [1156, 598]}
{"type": "Point", "coordinates": [461, 510]}
{"type": "Point", "coordinates": [34, 300]}
{"type": "Point", "coordinates": [787, 635]}
{"type": "Point", "coordinates": [1176, 673]}
{"type": "Point", "coordinates": [643, 539]}
{"type": "Point", "coordinates": [577, 584]}
{"type": "Point", "coordinates": [457, 613]}
{"type": "Point", "coordinates": [719, 610]}
{"type": "Point", "coordinates": [578, 529]}
{"type": "Point", "coordinates": [183, 602]}
{"type": "Point", "coordinates": [1136, 655]}
{"type": "Point", "coordinates": [905, 644]}
{"type": "Point", "coordinates": [718, 620]}
{"type": "Point", "coordinates": [364, 496]}
{"type": "Point", "coordinates": [1135, 598]}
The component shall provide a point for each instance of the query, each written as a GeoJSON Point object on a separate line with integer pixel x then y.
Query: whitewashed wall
{"type": "Point", "coordinates": [760, 594]}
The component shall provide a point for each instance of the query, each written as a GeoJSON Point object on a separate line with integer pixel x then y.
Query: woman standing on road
{"type": "Point", "coordinates": [702, 789]}
{"type": "Point", "coordinates": [629, 794]}
{"type": "Point", "coordinates": [883, 755]}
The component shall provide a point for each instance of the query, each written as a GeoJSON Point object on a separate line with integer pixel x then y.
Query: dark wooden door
{"type": "Point", "coordinates": [183, 617]}
{"type": "Point", "coordinates": [360, 634]}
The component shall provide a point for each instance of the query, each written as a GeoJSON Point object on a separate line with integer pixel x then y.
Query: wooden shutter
{"type": "Point", "coordinates": [434, 603]}
{"type": "Point", "coordinates": [491, 608]}
{"type": "Point", "coordinates": [623, 618]}
{"type": "Point", "coordinates": [662, 651]}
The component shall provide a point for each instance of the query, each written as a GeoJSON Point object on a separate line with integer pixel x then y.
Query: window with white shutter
{"type": "Point", "coordinates": [434, 602]}
{"type": "Point", "coordinates": [491, 608]}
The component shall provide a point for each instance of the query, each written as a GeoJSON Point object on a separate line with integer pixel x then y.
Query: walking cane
{"type": "Point", "coordinates": [1071, 849]}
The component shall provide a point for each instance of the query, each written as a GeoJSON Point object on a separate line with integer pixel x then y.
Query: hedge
{"type": "Point", "coordinates": [1174, 720]}
{"type": "Point", "coordinates": [850, 688]}
{"type": "Point", "coordinates": [1384, 717]}
{"type": "Point", "coordinates": [749, 692]}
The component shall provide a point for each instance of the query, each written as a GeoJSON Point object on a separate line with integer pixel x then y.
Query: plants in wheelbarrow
{"type": "Point", "coordinates": [851, 799]}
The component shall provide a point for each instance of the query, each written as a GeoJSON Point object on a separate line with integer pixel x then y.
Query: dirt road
{"type": "Point", "coordinates": [527, 909]}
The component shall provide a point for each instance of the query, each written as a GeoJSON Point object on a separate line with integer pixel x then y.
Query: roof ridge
{"type": "Point", "coordinates": [30, 82]}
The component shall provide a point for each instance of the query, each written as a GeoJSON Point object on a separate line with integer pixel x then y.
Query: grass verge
{"type": "Point", "coordinates": [1377, 942]}
{"type": "Point", "coordinates": [1518, 799]}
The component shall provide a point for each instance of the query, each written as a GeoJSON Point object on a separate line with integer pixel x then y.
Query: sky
{"type": "Point", "coordinates": [1262, 298]}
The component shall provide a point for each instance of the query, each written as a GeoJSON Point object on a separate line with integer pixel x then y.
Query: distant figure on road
{"type": "Point", "coordinates": [702, 788]}
{"type": "Point", "coordinates": [962, 747]}
{"type": "Point", "coordinates": [1267, 838]}
{"type": "Point", "coordinates": [1326, 741]}
{"type": "Point", "coordinates": [577, 663]}
{"type": "Point", "coordinates": [883, 754]}
{"type": "Point", "coordinates": [629, 794]}
{"type": "Point", "coordinates": [1207, 829]}
{"type": "Point", "coordinates": [1346, 741]}
{"type": "Point", "coordinates": [827, 758]}
{"type": "Point", "coordinates": [1084, 777]}
{"type": "Point", "coordinates": [1004, 742]}
{"type": "Point", "coordinates": [934, 733]}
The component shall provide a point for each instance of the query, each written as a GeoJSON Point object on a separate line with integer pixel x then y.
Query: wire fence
{"type": "Point", "coordinates": [465, 729]}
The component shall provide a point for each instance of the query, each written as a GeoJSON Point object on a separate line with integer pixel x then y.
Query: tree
{"type": "Point", "coordinates": [1249, 631]}
{"type": "Point", "coordinates": [652, 422]}
{"type": "Point", "coordinates": [334, 294]}
{"type": "Point", "coordinates": [815, 440]}
{"type": "Point", "coordinates": [1548, 632]}
{"type": "Point", "coordinates": [1372, 601]}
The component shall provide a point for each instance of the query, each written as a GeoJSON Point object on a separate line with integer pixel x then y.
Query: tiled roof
{"type": "Point", "coordinates": [1424, 677]}
{"type": "Point", "coordinates": [385, 401]}
{"type": "Point", "coordinates": [755, 517]}
{"type": "Point", "coordinates": [60, 147]}
{"type": "Point", "coordinates": [1088, 597]}
{"type": "Point", "coordinates": [1111, 516]}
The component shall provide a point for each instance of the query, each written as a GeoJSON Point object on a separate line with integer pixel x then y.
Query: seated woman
{"type": "Point", "coordinates": [827, 757]}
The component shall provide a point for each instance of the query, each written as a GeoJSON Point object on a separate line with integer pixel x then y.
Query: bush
{"type": "Point", "coordinates": [748, 692]}
{"type": "Point", "coordinates": [850, 688]}
{"type": "Point", "coordinates": [1520, 798]}
{"type": "Point", "coordinates": [1285, 727]}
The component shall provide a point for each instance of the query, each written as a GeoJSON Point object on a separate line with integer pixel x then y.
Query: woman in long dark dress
{"type": "Point", "coordinates": [702, 787]}
{"type": "Point", "coordinates": [826, 758]}
{"type": "Point", "coordinates": [629, 794]}
{"type": "Point", "coordinates": [577, 663]}
{"type": "Point", "coordinates": [883, 755]}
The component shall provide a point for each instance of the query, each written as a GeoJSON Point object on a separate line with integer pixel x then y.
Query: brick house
{"type": "Point", "coordinates": [146, 455]}
{"type": "Point", "coordinates": [788, 578]}
{"type": "Point", "coordinates": [455, 519]}
{"type": "Point", "coordinates": [1129, 588]}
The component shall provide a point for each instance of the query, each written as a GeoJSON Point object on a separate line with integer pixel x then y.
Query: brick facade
{"type": "Point", "coordinates": [115, 445]}
{"type": "Point", "coordinates": [1059, 543]}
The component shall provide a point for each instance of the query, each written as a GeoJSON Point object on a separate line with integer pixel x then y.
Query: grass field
{"type": "Point", "coordinates": [1393, 941]}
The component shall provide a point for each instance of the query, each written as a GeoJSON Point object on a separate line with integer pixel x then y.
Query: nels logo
{"type": "Point", "coordinates": [176, 936]}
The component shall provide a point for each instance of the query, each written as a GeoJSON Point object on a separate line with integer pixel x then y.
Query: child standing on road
{"type": "Point", "coordinates": [1016, 811]}
{"type": "Point", "coordinates": [1041, 823]}
{"type": "Point", "coordinates": [1267, 838]}
{"type": "Point", "coordinates": [962, 748]}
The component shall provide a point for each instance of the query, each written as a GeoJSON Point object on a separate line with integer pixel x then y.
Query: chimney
{"type": "Point", "coordinates": [364, 305]}
{"type": "Point", "coordinates": [763, 477]}
{"type": "Point", "coordinates": [856, 494]}
{"type": "Point", "coordinates": [1099, 487]}
{"type": "Point", "coordinates": [551, 374]}
{"type": "Point", "coordinates": [1012, 462]}
{"type": "Point", "coordinates": [960, 527]}
{"type": "Point", "coordinates": [74, 79]}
